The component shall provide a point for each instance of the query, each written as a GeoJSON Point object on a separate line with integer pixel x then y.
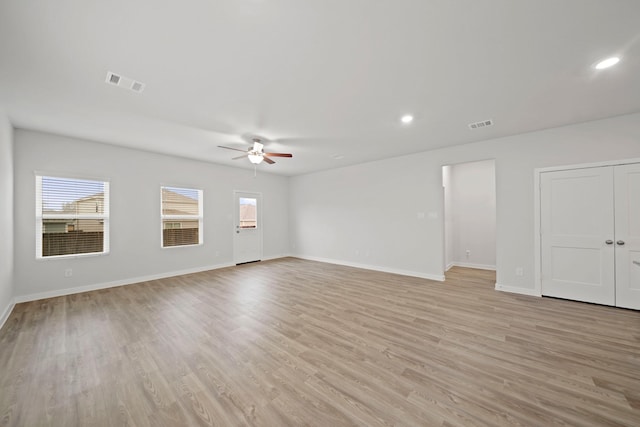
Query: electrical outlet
{"type": "Point", "coordinates": [68, 272]}
{"type": "Point", "coordinates": [519, 271]}
{"type": "Point", "coordinates": [468, 252]}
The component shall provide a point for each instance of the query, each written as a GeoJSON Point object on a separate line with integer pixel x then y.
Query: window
{"type": "Point", "coordinates": [248, 212]}
{"type": "Point", "coordinates": [181, 216]}
{"type": "Point", "coordinates": [72, 217]}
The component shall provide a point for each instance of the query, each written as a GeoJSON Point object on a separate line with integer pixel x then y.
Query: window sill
{"type": "Point", "coordinates": [181, 246]}
{"type": "Point", "coordinates": [72, 256]}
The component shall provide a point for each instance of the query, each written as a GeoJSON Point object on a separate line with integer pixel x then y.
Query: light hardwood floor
{"type": "Point", "coordinates": [293, 342]}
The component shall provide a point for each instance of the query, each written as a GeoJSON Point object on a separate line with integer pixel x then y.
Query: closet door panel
{"type": "Point", "coordinates": [627, 228]}
{"type": "Point", "coordinates": [577, 221]}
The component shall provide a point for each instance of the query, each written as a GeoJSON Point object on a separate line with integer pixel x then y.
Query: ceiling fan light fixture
{"type": "Point", "coordinates": [255, 157]}
{"type": "Point", "coordinates": [255, 153]}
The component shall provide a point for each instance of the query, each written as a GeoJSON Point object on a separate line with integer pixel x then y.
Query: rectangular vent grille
{"type": "Point", "coordinates": [113, 78]}
{"type": "Point", "coordinates": [482, 124]}
{"type": "Point", "coordinates": [137, 87]}
{"type": "Point", "coordinates": [124, 82]}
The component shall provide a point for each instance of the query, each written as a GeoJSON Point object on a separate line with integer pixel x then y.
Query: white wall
{"type": "Point", "coordinates": [6, 217]}
{"type": "Point", "coordinates": [373, 214]}
{"type": "Point", "coordinates": [369, 214]}
{"type": "Point", "coordinates": [135, 177]}
{"type": "Point", "coordinates": [473, 205]}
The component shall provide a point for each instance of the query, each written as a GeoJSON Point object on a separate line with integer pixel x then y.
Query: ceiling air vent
{"type": "Point", "coordinates": [482, 124]}
{"type": "Point", "coordinates": [137, 86]}
{"type": "Point", "coordinates": [124, 82]}
{"type": "Point", "coordinates": [113, 78]}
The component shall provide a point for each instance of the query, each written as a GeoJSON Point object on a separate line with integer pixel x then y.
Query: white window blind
{"type": "Point", "coordinates": [181, 216]}
{"type": "Point", "coordinates": [72, 216]}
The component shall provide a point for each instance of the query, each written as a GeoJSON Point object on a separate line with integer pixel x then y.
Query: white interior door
{"type": "Point", "coordinates": [627, 207]}
{"type": "Point", "coordinates": [247, 240]}
{"type": "Point", "coordinates": [577, 235]}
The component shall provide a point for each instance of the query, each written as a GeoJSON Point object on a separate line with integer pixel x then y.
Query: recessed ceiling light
{"type": "Point", "coordinates": [609, 62]}
{"type": "Point", "coordinates": [338, 157]}
{"type": "Point", "coordinates": [407, 118]}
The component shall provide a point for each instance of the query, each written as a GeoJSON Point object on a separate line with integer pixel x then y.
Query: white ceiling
{"type": "Point", "coordinates": [321, 78]}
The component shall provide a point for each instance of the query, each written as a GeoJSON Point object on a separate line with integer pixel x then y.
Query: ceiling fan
{"type": "Point", "coordinates": [255, 153]}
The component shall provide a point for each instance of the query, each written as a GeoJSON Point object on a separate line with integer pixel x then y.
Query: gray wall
{"type": "Point", "coordinates": [135, 177]}
{"type": "Point", "coordinates": [372, 214]}
{"type": "Point", "coordinates": [6, 217]}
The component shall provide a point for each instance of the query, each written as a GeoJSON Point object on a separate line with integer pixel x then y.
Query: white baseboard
{"type": "Point", "coordinates": [7, 312]}
{"type": "Point", "coordinates": [269, 258]}
{"type": "Point", "coordinates": [471, 265]}
{"type": "Point", "coordinates": [517, 290]}
{"type": "Point", "coordinates": [132, 280]}
{"type": "Point", "coordinates": [374, 268]}
{"type": "Point", "coordinates": [451, 264]}
{"type": "Point", "coordinates": [105, 285]}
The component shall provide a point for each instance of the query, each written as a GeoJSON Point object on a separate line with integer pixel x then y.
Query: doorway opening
{"type": "Point", "coordinates": [469, 215]}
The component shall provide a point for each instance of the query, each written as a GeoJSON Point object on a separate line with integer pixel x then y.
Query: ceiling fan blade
{"type": "Point", "coordinates": [234, 149]}
{"type": "Point", "coordinates": [268, 160]}
{"type": "Point", "coordinates": [278, 154]}
{"type": "Point", "coordinates": [239, 157]}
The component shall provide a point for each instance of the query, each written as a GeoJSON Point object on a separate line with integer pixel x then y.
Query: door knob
{"type": "Point", "coordinates": [609, 242]}
{"type": "Point", "coordinates": [620, 242]}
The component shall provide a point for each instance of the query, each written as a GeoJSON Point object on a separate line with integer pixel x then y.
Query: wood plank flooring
{"type": "Point", "coordinates": [292, 343]}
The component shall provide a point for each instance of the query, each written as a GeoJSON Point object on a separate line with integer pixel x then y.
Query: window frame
{"type": "Point", "coordinates": [178, 218]}
{"type": "Point", "coordinates": [41, 216]}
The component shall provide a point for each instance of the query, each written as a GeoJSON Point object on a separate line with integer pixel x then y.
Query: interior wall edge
{"type": "Point", "coordinates": [7, 312]}
{"type": "Point", "coordinates": [7, 218]}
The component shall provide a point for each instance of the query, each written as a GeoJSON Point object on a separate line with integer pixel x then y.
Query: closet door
{"type": "Point", "coordinates": [627, 207]}
{"type": "Point", "coordinates": [577, 242]}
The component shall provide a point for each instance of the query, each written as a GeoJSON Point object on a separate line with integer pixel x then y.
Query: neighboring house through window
{"type": "Point", "coordinates": [72, 216]}
{"type": "Point", "coordinates": [248, 212]}
{"type": "Point", "coordinates": [181, 216]}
